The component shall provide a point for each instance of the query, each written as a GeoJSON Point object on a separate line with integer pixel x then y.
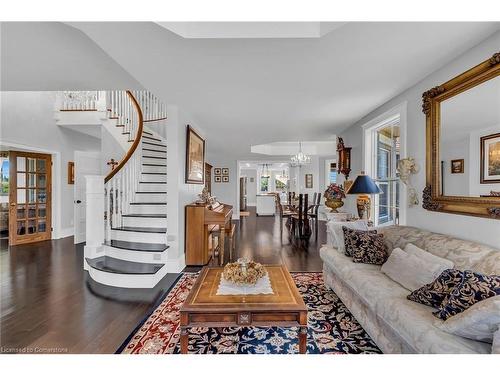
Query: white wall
{"type": "Point", "coordinates": [476, 229]}
{"type": "Point", "coordinates": [110, 149]}
{"type": "Point", "coordinates": [27, 119]}
{"type": "Point", "coordinates": [251, 186]}
{"type": "Point", "coordinates": [226, 192]}
{"type": "Point", "coordinates": [456, 183]}
{"type": "Point", "coordinates": [179, 193]}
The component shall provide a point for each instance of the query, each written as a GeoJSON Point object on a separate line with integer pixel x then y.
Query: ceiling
{"type": "Point", "coordinates": [251, 29]}
{"type": "Point", "coordinates": [251, 91]}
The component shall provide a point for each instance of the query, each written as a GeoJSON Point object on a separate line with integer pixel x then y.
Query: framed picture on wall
{"type": "Point", "coordinates": [225, 171]}
{"type": "Point", "coordinates": [71, 172]}
{"type": "Point", "coordinates": [195, 157]}
{"type": "Point", "coordinates": [225, 178]}
{"type": "Point", "coordinates": [217, 178]}
{"type": "Point", "coordinates": [309, 180]}
{"type": "Point", "coordinates": [490, 159]}
{"type": "Point", "coordinates": [217, 171]}
{"type": "Point", "coordinates": [457, 166]}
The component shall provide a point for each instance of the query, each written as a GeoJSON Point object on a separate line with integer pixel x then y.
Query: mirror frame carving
{"type": "Point", "coordinates": [433, 200]}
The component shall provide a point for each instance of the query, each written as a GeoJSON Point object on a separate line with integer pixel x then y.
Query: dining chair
{"type": "Point", "coordinates": [300, 227]}
{"type": "Point", "coordinates": [284, 212]}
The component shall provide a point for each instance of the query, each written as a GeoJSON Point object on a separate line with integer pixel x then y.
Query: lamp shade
{"type": "Point", "coordinates": [364, 184]}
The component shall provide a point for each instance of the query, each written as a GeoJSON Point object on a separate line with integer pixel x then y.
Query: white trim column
{"type": "Point", "coordinates": [94, 219]}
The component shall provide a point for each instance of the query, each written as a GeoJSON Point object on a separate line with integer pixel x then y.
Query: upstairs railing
{"type": "Point", "coordinates": [79, 100]}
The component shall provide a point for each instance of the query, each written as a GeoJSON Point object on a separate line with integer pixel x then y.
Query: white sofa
{"type": "Point", "coordinates": [380, 305]}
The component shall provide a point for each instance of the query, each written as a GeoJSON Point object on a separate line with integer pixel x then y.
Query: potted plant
{"type": "Point", "coordinates": [333, 196]}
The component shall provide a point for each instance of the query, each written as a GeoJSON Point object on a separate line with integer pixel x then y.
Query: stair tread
{"type": "Point", "coordinates": [151, 192]}
{"type": "Point", "coordinates": [154, 144]}
{"type": "Point", "coordinates": [152, 138]}
{"type": "Point", "coordinates": [152, 182]}
{"type": "Point", "coordinates": [158, 216]}
{"type": "Point", "coordinates": [138, 246]}
{"type": "Point", "coordinates": [113, 265]}
{"type": "Point", "coordinates": [141, 229]}
{"type": "Point", "coordinates": [155, 157]}
{"type": "Point", "coordinates": [162, 173]}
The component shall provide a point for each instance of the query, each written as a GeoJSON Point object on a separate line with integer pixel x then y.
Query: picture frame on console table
{"type": "Point", "coordinates": [195, 157]}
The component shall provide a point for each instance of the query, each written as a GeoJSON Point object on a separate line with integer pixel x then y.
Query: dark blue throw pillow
{"type": "Point", "coordinates": [433, 294]}
{"type": "Point", "coordinates": [475, 287]}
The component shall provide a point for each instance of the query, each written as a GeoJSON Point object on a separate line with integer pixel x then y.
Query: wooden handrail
{"type": "Point", "coordinates": [136, 143]}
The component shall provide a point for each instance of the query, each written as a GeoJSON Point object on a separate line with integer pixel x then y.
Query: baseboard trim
{"type": "Point", "coordinates": [65, 232]}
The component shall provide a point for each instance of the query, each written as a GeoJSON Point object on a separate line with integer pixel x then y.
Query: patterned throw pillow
{"type": "Point", "coordinates": [433, 294]}
{"type": "Point", "coordinates": [474, 288]}
{"type": "Point", "coordinates": [365, 246]}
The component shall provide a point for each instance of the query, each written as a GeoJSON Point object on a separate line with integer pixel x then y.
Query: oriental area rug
{"type": "Point", "coordinates": [331, 327]}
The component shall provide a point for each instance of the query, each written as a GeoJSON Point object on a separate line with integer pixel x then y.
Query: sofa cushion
{"type": "Point", "coordinates": [474, 288]}
{"type": "Point", "coordinates": [464, 254]}
{"type": "Point", "coordinates": [429, 258]}
{"type": "Point", "coordinates": [365, 246]}
{"type": "Point", "coordinates": [478, 322]}
{"type": "Point", "coordinates": [495, 346]}
{"type": "Point", "coordinates": [335, 228]}
{"type": "Point", "coordinates": [434, 293]}
{"type": "Point", "coordinates": [411, 271]}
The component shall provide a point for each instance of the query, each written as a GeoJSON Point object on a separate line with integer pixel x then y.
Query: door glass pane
{"type": "Point", "coordinates": [21, 227]}
{"type": "Point", "coordinates": [21, 164]}
{"type": "Point", "coordinates": [31, 226]}
{"type": "Point", "coordinates": [42, 212]}
{"type": "Point", "coordinates": [21, 196]}
{"type": "Point", "coordinates": [32, 211]}
{"type": "Point", "coordinates": [40, 165]}
{"type": "Point", "coordinates": [42, 196]}
{"type": "Point", "coordinates": [41, 180]}
{"type": "Point", "coordinates": [31, 164]}
{"type": "Point", "coordinates": [21, 211]}
{"type": "Point", "coordinates": [42, 226]}
{"type": "Point", "coordinates": [31, 179]}
{"type": "Point", "coordinates": [21, 180]}
{"type": "Point", "coordinates": [31, 195]}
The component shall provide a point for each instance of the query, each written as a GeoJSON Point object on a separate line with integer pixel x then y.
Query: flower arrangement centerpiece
{"type": "Point", "coordinates": [244, 272]}
{"type": "Point", "coordinates": [333, 196]}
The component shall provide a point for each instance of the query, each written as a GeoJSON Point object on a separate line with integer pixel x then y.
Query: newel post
{"type": "Point", "coordinates": [94, 219]}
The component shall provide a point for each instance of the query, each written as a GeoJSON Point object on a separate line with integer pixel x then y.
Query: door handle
{"type": "Point", "coordinates": [78, 201]}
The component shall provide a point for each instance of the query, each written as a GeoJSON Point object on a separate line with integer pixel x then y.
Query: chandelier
{"type": "Point", "coordinates": [300, 158]}
{"type": "Point", "coordinates": [265, 171]}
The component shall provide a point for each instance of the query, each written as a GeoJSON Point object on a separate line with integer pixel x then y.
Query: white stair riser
{"type": "Point", "coordinates": [136, 256]}
{"type": "Point", "coordinates": [138, 236]}
{"type": "Point", "coordinates": [154, 177]}
{"type": "Point", "coordinates": [151, 197]}
{"type": "Point", "coordinates": [154, 146]}
{"type": "Point", "coordinates": [146, 160]}
{"type": "Point", "coordinates": [152, 187]}
{"type": "Point", "coordinates": [162, 153]}
{"type": "Point", "coordinates": [127, 281]}
{"type": "Point", "coordinates": [147, 209]}
{"type": "Point", "coordinates": [146, 222]}
{"type": "Point", "coordinates": [154, 169]}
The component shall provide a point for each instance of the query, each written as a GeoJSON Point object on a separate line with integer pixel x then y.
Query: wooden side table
{"type": "Point", "coordinates": [204, 308]}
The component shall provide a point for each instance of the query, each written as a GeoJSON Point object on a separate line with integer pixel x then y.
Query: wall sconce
{"type": "Point", "coordinates": [344, 158]}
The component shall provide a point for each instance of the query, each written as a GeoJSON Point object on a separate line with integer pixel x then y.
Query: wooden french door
{"type": "Point", "coordinates": [30, 197]}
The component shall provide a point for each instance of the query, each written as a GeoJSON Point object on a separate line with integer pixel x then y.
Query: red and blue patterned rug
{"type": "Point", "coordinates": [331, 327]}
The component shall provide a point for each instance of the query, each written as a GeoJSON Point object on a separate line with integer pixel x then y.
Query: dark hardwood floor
{"type": "Point", "coordinates": [48, 303]}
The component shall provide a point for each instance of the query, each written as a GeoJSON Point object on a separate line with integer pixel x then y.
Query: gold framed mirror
{"type": "Point", "coordinates": [463, 143]}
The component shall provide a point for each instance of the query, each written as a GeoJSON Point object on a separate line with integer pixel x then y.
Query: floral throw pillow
{"type": "Point", "coordinates": [365, 246]}
{"type": "Point", "coordinates": [433, 294]}
{"type": "Point", "coordinates": [475, 287]}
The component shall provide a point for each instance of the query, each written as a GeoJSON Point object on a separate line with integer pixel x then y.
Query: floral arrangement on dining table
{"type": "Point", "coordinates": [333, 196]}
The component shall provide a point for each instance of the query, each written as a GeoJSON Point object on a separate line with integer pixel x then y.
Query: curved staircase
{"type": "Point", "coordinates": [133, 250]}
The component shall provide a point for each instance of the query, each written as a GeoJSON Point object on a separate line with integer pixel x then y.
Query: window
{"type": "Point", "coordinates": [264, 184]}
{"type": "Point", "coordinates": [382, 144]}
{"type": "Point", "coordinates": [330, 172]}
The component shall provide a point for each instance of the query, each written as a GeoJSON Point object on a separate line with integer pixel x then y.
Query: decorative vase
{"type": "Point", "coordinates": [334, 204]}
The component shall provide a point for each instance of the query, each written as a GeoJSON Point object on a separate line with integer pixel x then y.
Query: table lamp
{"type": "Point", "coordinates": [364, 186]}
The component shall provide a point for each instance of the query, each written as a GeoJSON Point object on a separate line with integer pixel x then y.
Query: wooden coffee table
{"type": "Point", "coordinates": [204, 308]}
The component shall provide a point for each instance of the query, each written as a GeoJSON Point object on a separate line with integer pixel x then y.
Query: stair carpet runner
{"type": "Point", "coordinates": [144, 227]}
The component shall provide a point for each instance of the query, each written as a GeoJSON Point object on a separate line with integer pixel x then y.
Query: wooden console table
{"type": "Point", "coordinates": [204, 308]}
